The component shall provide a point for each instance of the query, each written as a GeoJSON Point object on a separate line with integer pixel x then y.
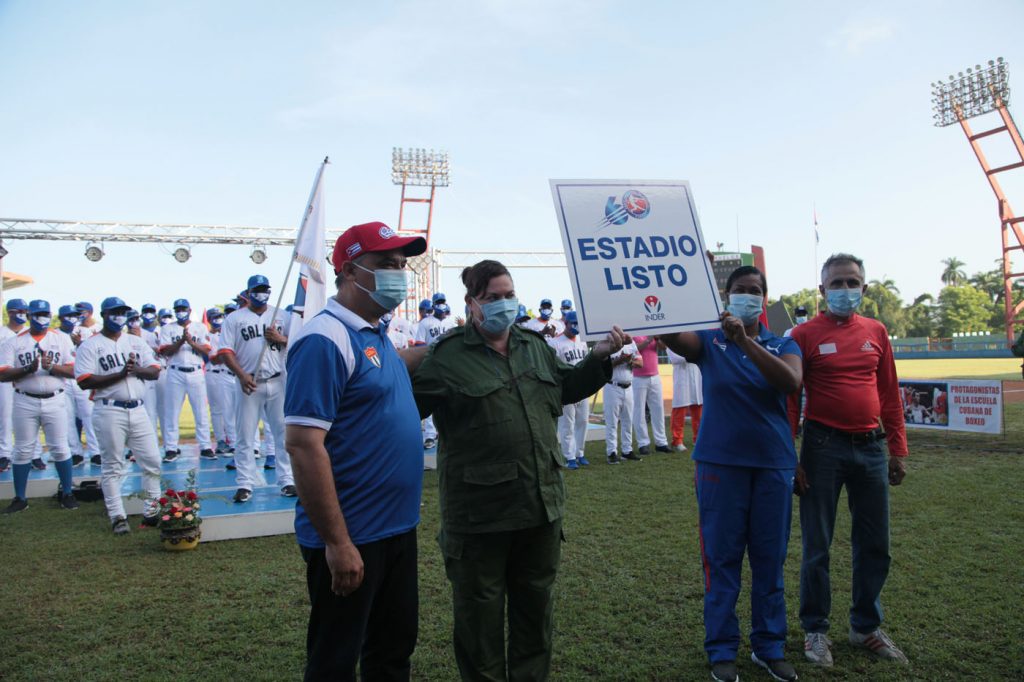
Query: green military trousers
{"type": "Point", "coordinates": [485, 570]}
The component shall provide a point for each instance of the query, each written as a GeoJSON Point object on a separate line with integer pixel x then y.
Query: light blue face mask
{"type": "Point", "coordinates": [843, 302]}
{"type": "Point", "coordinates": [747, 307]}
{"type": "Point", "coordinates": [498, 315]}
{"type": "Point", "coordinates": [19, 318]}
{"type": "Point", "coordinates": [391, 287]}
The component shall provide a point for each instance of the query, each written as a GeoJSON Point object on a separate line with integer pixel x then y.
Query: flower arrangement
{"type": "Point", "coordinates": [180, 508]}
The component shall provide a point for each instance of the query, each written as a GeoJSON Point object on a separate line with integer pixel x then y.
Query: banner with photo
{"type": "Point", "coordinates": [636, 256]}
{"type": "Point", "coordinates": [953, 404]}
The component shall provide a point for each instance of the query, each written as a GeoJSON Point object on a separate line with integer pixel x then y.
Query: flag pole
{"type": "Point", "coordinates": [815, 264]}
{"type": "Point", "coordinates": [291, 260]}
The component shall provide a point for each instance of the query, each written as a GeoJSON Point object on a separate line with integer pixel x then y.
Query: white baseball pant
{"type": "Point", "coordinates": [83, 408]}
{"type": "Point", "coordinates": [268, 394]}
{"type": "Point", "coordinates": [6, 423]}
{"type": "Point", "coordinates": [267, 440]}
{"type": "Point", "coordinates": [161, 405]}
{"type": "Point", "coordinates": [647, 393]}
{"type": "Point", "coordinates": [429, 431]}
{"type": "Point", "coordinates": [74, 442]}
{"type": "Point", "coordinates": [618, 411]}
{"type": "Point", "coordinates": [221, 386]}
{"type": "Point", "coordinates": [151, 402]}
{"type": "Point", "coordinates": [118, 428]}
{"type": "Point", "coordinates": [180, 384]}
{"type": "Point", "coordinates": [572, 428]}
{"type": "Point", "coordinates": [29, 415]}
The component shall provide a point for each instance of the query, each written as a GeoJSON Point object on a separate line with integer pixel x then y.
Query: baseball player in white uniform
{"type": "Point", "coordinates": [618, 405]}
{"type": "Point", "coordinates": [572, 425]}
{"type": "Point", "coordinates": [246, 333]}
{"type": "Point", "coordinates": [113, 366]}
{"type": "Point", "coordinates": [38, 361]}
{"type": "Point", "coordinates": [428, 332]}
{"type": "Point", "coordinates": [164, 318]}
{"type": "Point", "coordinates": [137, 327]}
{"type": "Point", "coordinates": [399, 338]}
{"type": "Point", "coordinates": [17, 317]}
{"type": "Point", "coordinates": [70, 318]}
{"type": "Point", "coordinates": [543, 324]}
{"type": "Point", "coordinates": [184, 344]}
{"type": "Point", "coordinates": [221, 388]}
{"type": "Point", "coordinates": [87, 326]}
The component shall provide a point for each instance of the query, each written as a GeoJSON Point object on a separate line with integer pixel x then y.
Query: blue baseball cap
{"type": "Point", "coordinates": [112, 303]}
{"type": "Point", "coordinates": [164, 312]}
{"type": "Point", "coordinates": [426, 305]}
{"type": "Point", "coordinates": [566, 304]}
{"type": "Point", "coordinates": [17, 304]}
{"type": "Point", "coordinates": [257, 281]}
{"type": "Point", "coordinates": [522, 312]}
{"type": "Point", "coordinates": [66, 310]}
{"type": "Point", "coordinates": [214, 311]}
{"type": "Point", "coordinates": [230, 308]}
{"type": "Point", "coordinates": [133, 314]}
{"type": "Point", "coordinates": [148, 308]}
{"type": "Point", "coordinates": [181, 303]}
{"type": "Point", "coordinates": [571, 318]}
{"type": "Point", "coordinates": [242, 296]}
{"type": "Point", "coordinates": [545, 303]}
{"type": "Point", "coordinates": [439, 298]}
{"type": "Point", "coordinates": [38, 306]}
{"type": "Point", "coordinates": [84, 305]}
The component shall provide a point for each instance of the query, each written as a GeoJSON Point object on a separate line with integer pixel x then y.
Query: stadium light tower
{"type": "Point", "coordinates": [984, 90]}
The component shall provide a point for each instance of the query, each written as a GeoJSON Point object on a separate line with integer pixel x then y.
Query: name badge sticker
{"type": "Point", "coordinates": [827, 348]}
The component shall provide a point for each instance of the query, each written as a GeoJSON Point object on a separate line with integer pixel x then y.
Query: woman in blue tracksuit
{"type": "Point", "coordinates": [745, 462]}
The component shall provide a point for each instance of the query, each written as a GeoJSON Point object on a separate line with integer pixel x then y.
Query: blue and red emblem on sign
{"type": "Point", "coordinates": [652, 304]}
{"type": "Point", "coordinates": [371, 354]}
{"type": "Point", "coordinates": [635, 204]}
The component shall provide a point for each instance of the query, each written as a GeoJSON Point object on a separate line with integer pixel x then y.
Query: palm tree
{"type": "Point", "coordinates": [887, 284]}
{"type": "Point", "coordinates": [953, 275]}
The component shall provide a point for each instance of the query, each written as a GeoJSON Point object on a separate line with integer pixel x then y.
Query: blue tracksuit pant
{"type": "Point", "coordinates": [744, 509]}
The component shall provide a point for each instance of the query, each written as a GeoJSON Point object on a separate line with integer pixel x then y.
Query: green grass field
{"type": "Point", "coordinates": [81, 603]}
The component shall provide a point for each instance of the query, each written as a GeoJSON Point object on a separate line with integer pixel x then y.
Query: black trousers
{"type": "Point", "coordinates": [375, 626]}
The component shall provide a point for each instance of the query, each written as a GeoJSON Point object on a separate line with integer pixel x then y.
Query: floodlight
{"type": "Point", "coordinates": [182, 254]}
{"type": "Point", "coordinates": [258, 255]}
{"type": "Point", "coordinates": [980, 91]}
{"type": "Point", "coordinates": [419, 167]}
{"type": "Point", "coordinates": [93, 252]}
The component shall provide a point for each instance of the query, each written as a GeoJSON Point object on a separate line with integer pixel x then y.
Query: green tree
{"type": "Point", "coordinates": [953, 275]}
{"type": "Point", "coordinates": [804, 297]}
{"type": "Point", "coordinates": [963, 309]}
{"type": "Point", "coordinates": [888, 304]}
{"type": "Point", "coordinates": [919, 317]}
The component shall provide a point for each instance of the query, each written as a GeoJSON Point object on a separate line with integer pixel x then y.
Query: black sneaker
{"type": "Point", "coordinates": [120, 526]}
{"type": "Point", "coordinates": [171, 455]}
{"type": "Point", "coordinates": [5, 464]}
{"type": "Point", "coordinates": [429, 443]}
{"type": "Point", "coordinates": [151, 521]}
{"type": "Point", "coordinates": [725, 671]}
{"type": "Point", "coordinates": [77, 460]}
{"type": "Point", "coordinates": [613, 459]}
{"type": "Point", "coordinates": [68, 502]}
{"type": "Point", "coordinates": [778, 668]}
{"type": "Point", "coordinates": [242, 495]}
{"type": "Point", "coordinates": [230, 465]}
{"type": "Point", "coordinates": [17, 504]}
{"type": "Point", "coordinates": [644, 450]}
{"type": "Point", "coordinates": [289, 491]}
{"type": "Point", "coordinates": [632, 457]}
{"type": "Point", "coordinates": [663, 448]}
{"type": "Point", "coordinates": [95, 460]}
{"type": "Point", "coordinates": [38, 464]}
{"type": "Point", "coordinates": [207, 453]}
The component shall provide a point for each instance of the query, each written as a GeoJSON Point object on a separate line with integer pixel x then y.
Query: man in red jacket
{"type": "Point", "coordinates": [853, 409]}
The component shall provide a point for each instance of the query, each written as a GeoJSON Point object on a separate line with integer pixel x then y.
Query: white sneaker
{"type": "Point", "coordinates": [817, 649]}
{"type": "Point", "coordinates": [681, 448]}
{"type": "Point", "coordinates": [879, 644]}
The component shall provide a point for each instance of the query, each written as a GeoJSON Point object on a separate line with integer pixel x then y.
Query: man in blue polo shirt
{"type": "Point", "coordinates": [353, 432]}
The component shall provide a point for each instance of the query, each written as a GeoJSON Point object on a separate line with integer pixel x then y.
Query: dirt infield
{"type": "Point", "coordinates": [1013, 391]}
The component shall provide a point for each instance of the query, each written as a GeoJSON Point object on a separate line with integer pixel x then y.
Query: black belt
{"type": "Point", "coordinates": [853, 436]}
{"type": "Point", "coordinates": [184, 369]}
{"type": "Point", "coordinates": [622, 385]}
{"type": "Point", "coordinates": [126, 404]}
{"type": "Point", "coordinates": [265, 380]}
{"type": "Point", "coordinates": [39, 396]}
{"type": "Point", "coordinates": [217, 371]}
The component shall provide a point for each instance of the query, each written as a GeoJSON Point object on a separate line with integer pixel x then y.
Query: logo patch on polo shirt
{"type": "Point", "coordinates": [371, 354]}
{"type": "Point", "coordinates": [867, 347]}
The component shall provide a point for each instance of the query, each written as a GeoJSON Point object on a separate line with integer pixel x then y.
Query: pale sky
{"type": "Point", "coordinates": [219, 113]}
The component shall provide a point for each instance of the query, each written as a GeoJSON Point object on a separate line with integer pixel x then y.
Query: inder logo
{"type": "Point", "coordinates": [652, 304]}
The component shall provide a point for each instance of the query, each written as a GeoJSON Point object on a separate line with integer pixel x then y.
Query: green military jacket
{"type": "Point", "coordinates": [499, 461]}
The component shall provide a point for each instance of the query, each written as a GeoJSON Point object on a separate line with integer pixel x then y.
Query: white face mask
{"type": "Point", "coordinates": [182, 316]}
{"type": "Point", "coordinates": [42, 320]}
{"type": "Point", "coordinates": [260, 297]}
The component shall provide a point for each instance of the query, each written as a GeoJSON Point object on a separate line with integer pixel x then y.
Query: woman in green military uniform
{"type": "Point", "coordinates": [496, 392]}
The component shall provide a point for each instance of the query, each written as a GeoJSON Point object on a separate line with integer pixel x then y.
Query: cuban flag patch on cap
{"type": "Point", "coordinates": [353, 249]}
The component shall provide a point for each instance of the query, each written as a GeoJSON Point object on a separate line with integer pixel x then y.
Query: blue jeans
{"type": "Point", "coordinates": [831, 459]}
{"type": "Point", "coordinates": [744, 510]}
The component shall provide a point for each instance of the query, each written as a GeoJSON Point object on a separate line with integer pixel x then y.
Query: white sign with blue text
{"type": "Point", "coordinates": [636, 256]}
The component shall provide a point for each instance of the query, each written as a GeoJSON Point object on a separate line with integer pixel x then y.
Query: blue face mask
{"type": "Point", "coordinates": [114, 323]}
{"type": "Point", "coordinates": [545, 313]}
{"type": "Point", "coordinates": [67, 324]}
{"type": "Point", "coordinates": [216, 322]}
{"type": "Point", "coordinates": [747, 307]}
{"type": "Point", "coordinates": [800, 319]}
{"type": "Point", "coordinates": [19, 318]}
{"type": "Point", "coordinates": [182, 316]}
{"type": "Point", "coordinates": [498, 315]}
{"type": "Point", "coordinates": [40, 322]}
{"type": "Point", "coordinates": [843, 302]}
{"type": "Point", "coordinates": [572, 331]}
{"type": "Point", "coordinates": [390, 287]}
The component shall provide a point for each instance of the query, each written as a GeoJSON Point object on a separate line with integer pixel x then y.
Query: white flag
{"type": "Point", "coordinates": [311, 255]}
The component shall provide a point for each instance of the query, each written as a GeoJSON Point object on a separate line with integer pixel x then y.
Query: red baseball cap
{"type": "Point", "coordinates": [360, 239]}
